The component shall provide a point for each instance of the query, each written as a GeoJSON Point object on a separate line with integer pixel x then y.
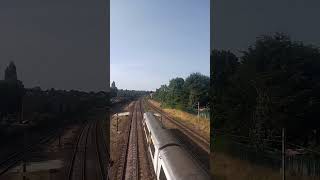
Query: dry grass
{"type": "Point", "coordinates": [224, 167]}
{"type": "Point", "coordinates": [155, 103]}
{"type": "Point", "coordinates": [200, 125]}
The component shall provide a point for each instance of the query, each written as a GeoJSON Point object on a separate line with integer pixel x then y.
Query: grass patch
{"type": "Point", "coordinates": [225, 167]}
{"type": "Point", "coordinates": [145, 107]}
{"type": "Point", "coordinates": [226, 163]}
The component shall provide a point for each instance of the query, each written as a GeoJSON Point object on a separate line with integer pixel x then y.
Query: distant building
{"type": "Point", "coordinates": [114, 89]}
{"type": "Point", "coordinates": [11, 95]}
{"type": "Point", "coordinates": [11, 72]}
{"type": "Point", "coordinates": [113, 85]}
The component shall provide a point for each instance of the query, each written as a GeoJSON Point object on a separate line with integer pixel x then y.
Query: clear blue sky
{"type": "Point", "coordinates": [153, 41]}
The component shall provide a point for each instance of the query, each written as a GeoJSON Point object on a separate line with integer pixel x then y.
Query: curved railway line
{"type": "Point", "coordinates": [89, 156]}
{"type": "Point", "coordinates": [13, 159]}
{"type": "Point", "coordinates": [87, 160]}
{"type": "Point", "coordinates": [71, 169]}
{"type": "Point", "coordinates": [100, 155]}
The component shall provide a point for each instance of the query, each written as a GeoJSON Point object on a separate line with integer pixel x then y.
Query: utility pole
{"type": "Point", "coordinates": [24, 163]}
{"type": "Point", "coordinates": [21, 115]}
{"type": "Point", "coordinates": [25, 139]}
{"type": "Point", "coordinates": [117, 122]}
{"type": "Point", "coordinates": [283, 154]}
{"type": "Point", "coordinates": [198, 109]}
{"type": "Point", "coordinates": [60, 137]}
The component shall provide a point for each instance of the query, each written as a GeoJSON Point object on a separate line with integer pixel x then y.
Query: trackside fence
{"type": "Point", "coordinates": [307, 164]}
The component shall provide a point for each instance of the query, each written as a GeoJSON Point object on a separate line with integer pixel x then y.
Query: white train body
{"type": "Point", "coordinates": [170, 161]}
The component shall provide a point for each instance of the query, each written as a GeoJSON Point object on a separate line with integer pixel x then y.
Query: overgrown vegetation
{"type": "Point", "coordinates": [275, 84]}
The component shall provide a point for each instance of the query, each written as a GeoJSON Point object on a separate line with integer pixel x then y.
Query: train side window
{"type": "Point", "coordinates": [162, 175]}
{"type": "Point", "coordinates": [152, 148]}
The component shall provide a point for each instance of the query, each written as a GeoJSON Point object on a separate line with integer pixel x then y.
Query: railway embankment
{"type": "Point", "coordinates": [198, 124]}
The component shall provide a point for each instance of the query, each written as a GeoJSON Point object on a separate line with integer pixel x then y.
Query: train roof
{"type": "Point", "coordinates": [181, 165]}
{"type": "Point", "coordinates": [163, 136]}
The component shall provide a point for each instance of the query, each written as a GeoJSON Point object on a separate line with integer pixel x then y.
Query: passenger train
{"type": "Point", "coordinates": [170, 161]}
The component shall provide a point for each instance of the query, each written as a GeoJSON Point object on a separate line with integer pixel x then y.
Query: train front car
{"type": "Point", "coordinates": [170, 161]}
{"type": "Point", "coordinates": [176, 164]}
{"type": "Point", "coordinates": [157, 137]}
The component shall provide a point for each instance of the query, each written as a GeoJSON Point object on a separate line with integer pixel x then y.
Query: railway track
{"type": "Point", "coordinates": [128, 167]}
{"type": "Point", "coordinates": [76, 153]}
{"type": "Point", "coordinates": [87, 161]}
{"type": "Point", "coordinates": [146, 171]}
{"type": "Point", "coordinates": [132, 166]}
{"type": "Point", "coordinates": [121, 170]}
{"type": "Point", "coordinates": [201, 141]}
{"type": "Point", "coordinates": [133, 162]}
{"type": "Point", "coordinates": [100, 155]}
{"type": "Point", "coordinates": [77, 167]}
{"type": "Point", "coordinates": [13, 159]}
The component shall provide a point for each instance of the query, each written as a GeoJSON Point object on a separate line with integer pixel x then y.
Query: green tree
{"type": "Point", "coordinates": [197, 87]}
{"type": "Point", "coordinates": [223, 65]}
{"type": "Point", "coordinates": [176, 97]}
{"type": "Point", "coordinates": [275, 84]}
{"type": "Point", "coordinates": [161, 94]}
